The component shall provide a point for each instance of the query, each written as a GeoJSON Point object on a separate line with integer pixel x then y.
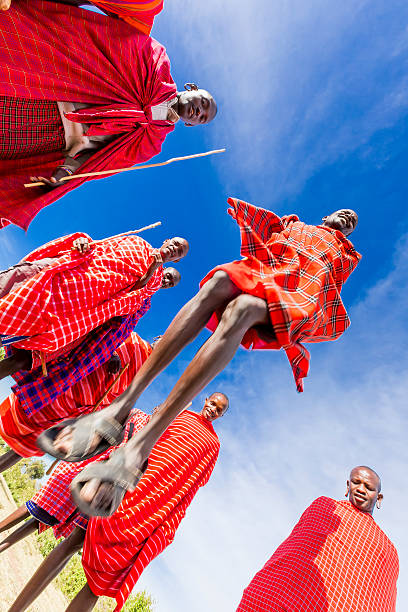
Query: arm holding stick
{"type": "Point", "coordinates": [117, 170]}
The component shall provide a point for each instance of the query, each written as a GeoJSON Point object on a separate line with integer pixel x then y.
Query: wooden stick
{"type": "Point", "coordinates": [142, 229]}
{"type": "Point", "coordinates": [43, 364]}
{"type": "Point", "coordinates": [52, 466]}
{"type": "Point", "coordinates": [165, 163]}
{"type": "Point", "coordinates": [113, 383]}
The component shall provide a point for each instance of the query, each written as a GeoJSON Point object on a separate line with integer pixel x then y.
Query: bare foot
{"type": "Point", "coordinates": [64, 440]}
{"type": "Point", "coordinates": [97, 494]}
{"type": "Point", "coordinates": [5, 5]}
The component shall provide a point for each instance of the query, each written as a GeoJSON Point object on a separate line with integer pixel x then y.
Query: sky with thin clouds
{"type": "Point", "coordinates": [313, 100]}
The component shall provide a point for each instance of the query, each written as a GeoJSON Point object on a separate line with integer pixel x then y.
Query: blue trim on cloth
{"type": "Point", "coordinates": [34, 391]}
{"type": "Point", "coordinates": [40, 514]}
{"type": "Point", "coordinates": [5, 340]}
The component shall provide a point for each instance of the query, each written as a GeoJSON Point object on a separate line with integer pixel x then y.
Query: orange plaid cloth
{"type": "Point", "coordinates": [68, 299]}
{"type": "Point", "coordinates": [336, 559]}
{"type": "Point", "coordinates": [299, 271]}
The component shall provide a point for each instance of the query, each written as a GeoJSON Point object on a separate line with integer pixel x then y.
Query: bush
{"type": "Point", "coordinates": [20, 480]}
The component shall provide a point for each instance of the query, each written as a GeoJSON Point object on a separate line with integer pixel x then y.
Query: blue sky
{"type": "Point", "coordinates": [313, 100]}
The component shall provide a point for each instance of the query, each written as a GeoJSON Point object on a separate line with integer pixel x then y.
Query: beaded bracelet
{"type": "Point", "coordinates": [66, 169]}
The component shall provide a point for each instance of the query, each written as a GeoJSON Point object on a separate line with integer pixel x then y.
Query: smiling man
{"type": "Point", "coordinates": [117, 549]}
{"type": "Point", "coordinates": [71, 113]}
{"type": "Point", "coordinates": [336, 558]}
{"type": "Point", "coordinates": [284, 292]}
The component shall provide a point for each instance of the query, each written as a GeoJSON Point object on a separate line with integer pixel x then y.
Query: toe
{"type": "Point", "coordinates": [90, 489]}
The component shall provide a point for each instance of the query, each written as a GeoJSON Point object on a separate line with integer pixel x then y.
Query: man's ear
{"type": "Point", "coordinates": [190, 87]}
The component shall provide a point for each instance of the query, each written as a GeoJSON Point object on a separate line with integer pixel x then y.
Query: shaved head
{"type": "Point", "coordinates": [364, 488]}
{"type": "Point", "coordinates": [215, 406]}
{"type": "Point", "coordinates": [370, 470]}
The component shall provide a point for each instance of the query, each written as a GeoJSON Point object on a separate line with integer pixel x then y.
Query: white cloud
{"type": "Point", "coordinates": [299, 84]}
{"type": "Point", "coordinates": [281, 450]}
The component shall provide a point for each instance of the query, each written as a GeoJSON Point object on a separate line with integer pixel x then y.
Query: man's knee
{"type": "Point", "coordinates": [219, 286]}
{"type": "Point", "coordinates": [245, 310]}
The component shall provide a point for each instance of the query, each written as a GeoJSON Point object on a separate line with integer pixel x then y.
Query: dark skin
{"type": "Point", "coordinates": [10, 458]}
{"type": "Point", "coordinates": [214, 407]}
{"type": "Point", "coordinates": [172, 250]}
{"type": "Point", "coordinates": [364, 489]}
{"type": "Point", "coordinates": [238, 312]}
{"type": "Point", "coordinates": [49, 569]}
{"type": "Point", "coordinates": [171, 278]}
{"type": "Point", "coordinates": [194, 106]}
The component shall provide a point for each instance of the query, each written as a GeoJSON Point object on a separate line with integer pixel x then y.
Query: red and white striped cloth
{"type": "Point", "coordinates": [118, 548]}
{"type": "Point", "coordinates": [79, 292]}
{"type": "Point", "coordinates": [336, 559]}
{"type": "Point", "coordinates": [55, 496]}
{"type": "Point", "coordinates": [20, 432]}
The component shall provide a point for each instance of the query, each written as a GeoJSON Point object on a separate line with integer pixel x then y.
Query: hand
{"type": "Point", "coordinates": [5, 5]}
{"type": "Point", "coordinates": [157, 258]}
{"type": "Point", "coordinates": [114, 364]}
{"type": "Point", "coordinates": [49, 184]}
{"type": "Point", "coordinates": [81, 245]}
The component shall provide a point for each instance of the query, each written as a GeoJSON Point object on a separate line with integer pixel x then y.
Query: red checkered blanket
{"type": "Point", "coordinates": [121, 75]}
{"type": "Point", "coordinates": [299, 270]}
{"type": "Point", "coordinates": [79, 292]}
{"type": "Point", "coordinates": [336, 558]}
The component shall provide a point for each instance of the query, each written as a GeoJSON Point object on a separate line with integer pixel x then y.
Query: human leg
{"type": "Point", "coordinates": [20, 533]}
{"type": "Point", "coordinates": [49, 568]}
{"type": "Point", "coordinates": [20, 360]}
{"type": "Point", "coordinates": [241, 313]}
{"type": "Point", "coordinates": [184, 328]}
{"type": "Point", "coordinates": [14, 518]}
{"type": "Point", "coordinates": [85, 601]}
{"type": "Point", "coordinates": [8, 459]}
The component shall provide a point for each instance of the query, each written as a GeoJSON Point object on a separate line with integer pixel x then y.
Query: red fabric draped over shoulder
{"type": "Point", "coordinates": [299, 271]}
{"type": "Point", "coordinates": [109, 66]}
{"type": "Point", "coordinates": [138, 14]}
{"type": "Point", "coordinates": [336, 558]}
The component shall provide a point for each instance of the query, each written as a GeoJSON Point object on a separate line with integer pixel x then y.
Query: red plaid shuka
{"type": "Point", "coordinates": [34, 390]}
{"type": "Point", "coordinates": [122, 74]}
{"type": "Point", "coordinates": [55, 496]}
{"type": "Point", "coordinates": [79, 292]}
{"type": "Point", "coordinates": [335, 560]}
{"type": "Point", "coordinates": [299, 270]}
{"type": "Point", "coordinates": [29, 127]}
{"type": "Point", "coordinates": [20, 432]}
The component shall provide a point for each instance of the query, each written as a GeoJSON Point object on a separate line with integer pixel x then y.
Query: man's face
{"type": "Point", "coordinates": [196, 107]}
{"type": "Point", "coordinates": [214, 407]}
{"type": "Point", "coordinates": [344, 220]}
{"type": "Point", "coordinates": [363, 489]}
{"type": "Point", "coordinates": [171, 278]}
{"type": "Point", "coordinates": [174, 249]}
